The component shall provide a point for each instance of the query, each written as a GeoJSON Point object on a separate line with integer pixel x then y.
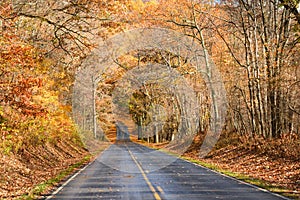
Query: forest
{"type": "Point", "coordinates": [227, 95]}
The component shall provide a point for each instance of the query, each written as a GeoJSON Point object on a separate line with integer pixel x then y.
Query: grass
{"type": "Point", "coordinates": [254, 181]}
{"type": "Point", "coordinates": [242, 177]}
{"type": "Point", "coordinates": [42, 187]}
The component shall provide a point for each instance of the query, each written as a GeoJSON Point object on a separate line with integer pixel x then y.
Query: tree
{"type": "Point", "coordinates": [64, 31]}
{"type": "Point", "coordinates": [260, 46]}
{"type": "Point", "coordinates": [292, 6]}
{"type": "Point", "coordinates": [262, 31]}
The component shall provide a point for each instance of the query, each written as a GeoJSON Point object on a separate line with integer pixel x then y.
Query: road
{"type": "Point", "coordinates": [132, 171]}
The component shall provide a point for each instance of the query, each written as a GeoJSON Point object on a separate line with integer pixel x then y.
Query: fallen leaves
{"type": "Point", "coordinates": [268, 162]}
{"type": "Point", "coordinates": [20, 173]}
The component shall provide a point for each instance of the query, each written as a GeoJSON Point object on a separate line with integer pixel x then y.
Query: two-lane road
{"type": "Point", "coordinates": [131, 171]}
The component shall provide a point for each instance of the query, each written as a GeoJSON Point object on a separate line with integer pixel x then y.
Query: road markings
{"type": "Point", "coordinates": [73, 177]}
{"type": "Point", "coordinates": [237, 180]}
{"type": "Point", "coordinates": [160, 189]}
{"type": "Point", "coordinates": [155, 194]}
{"type": "Point", "coordinates": [67, 182]}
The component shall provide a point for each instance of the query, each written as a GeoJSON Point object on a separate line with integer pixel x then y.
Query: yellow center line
{"type": "Point", "coordinates": [155, 194]}
{"type": "Point", "coordinates": [160, 189]}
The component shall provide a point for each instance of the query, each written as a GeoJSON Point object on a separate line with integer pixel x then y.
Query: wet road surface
{"type": "Point", "coordinates": [131, 171]}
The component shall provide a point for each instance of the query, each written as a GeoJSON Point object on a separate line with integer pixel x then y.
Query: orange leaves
{"type": "Point", "coordinates": [30, 112]}
{"type": "Point", "coordinates": [18, 76]}
{"type": "Point", "coordinates": [32, 116]}
{"type": "Point", "coordinates": [16, 55]}
{"type": "Point", "coordinates": [19, 96]}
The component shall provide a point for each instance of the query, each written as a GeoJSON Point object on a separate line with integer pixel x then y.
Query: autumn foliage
{"type": "Point", "coordinates": [42, 47]}
{"type": "Point", "coordinates": [30, 111]}
{"type": "Point", "coordinates": [38, 139]}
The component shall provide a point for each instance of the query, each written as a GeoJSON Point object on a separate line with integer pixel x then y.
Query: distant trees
{"type": "Point", "coordinates": [153, 106]}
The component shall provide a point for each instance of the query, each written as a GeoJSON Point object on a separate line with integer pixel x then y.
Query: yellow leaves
{"type": "Point", "coordinates": [66, 108]}
{"type": "Point", "coordinates": [17, 53]}
{"type": "Point", "coordinates": [44, 65]}
{"type": "Point", "coordinates": [32, 114]}
{"type": "Point", "coordinates": [138, 5]}
{"type": "Point", "coordinates": [1, 112]}
{"type": "Point", "coordinates": [18, 130]}
{"type": "Point", "coordinates": [141, 6]}
{"type": "Point", "coordinates": [30, 111]}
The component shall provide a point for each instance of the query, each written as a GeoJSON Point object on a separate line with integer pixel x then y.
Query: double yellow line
{"type": "Point", "coordinates": [155, 194]}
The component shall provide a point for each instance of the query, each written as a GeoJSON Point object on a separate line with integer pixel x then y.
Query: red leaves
{"type": "Point", "coordinates": [16, 56]}
{"type": "Point", "coordinates": [19, 95]}
{"type": "Point", "coordinates": [18, 76]}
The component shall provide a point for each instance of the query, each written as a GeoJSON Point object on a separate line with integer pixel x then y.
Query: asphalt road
{"type": "Point", "coordinates": [131, 171]}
